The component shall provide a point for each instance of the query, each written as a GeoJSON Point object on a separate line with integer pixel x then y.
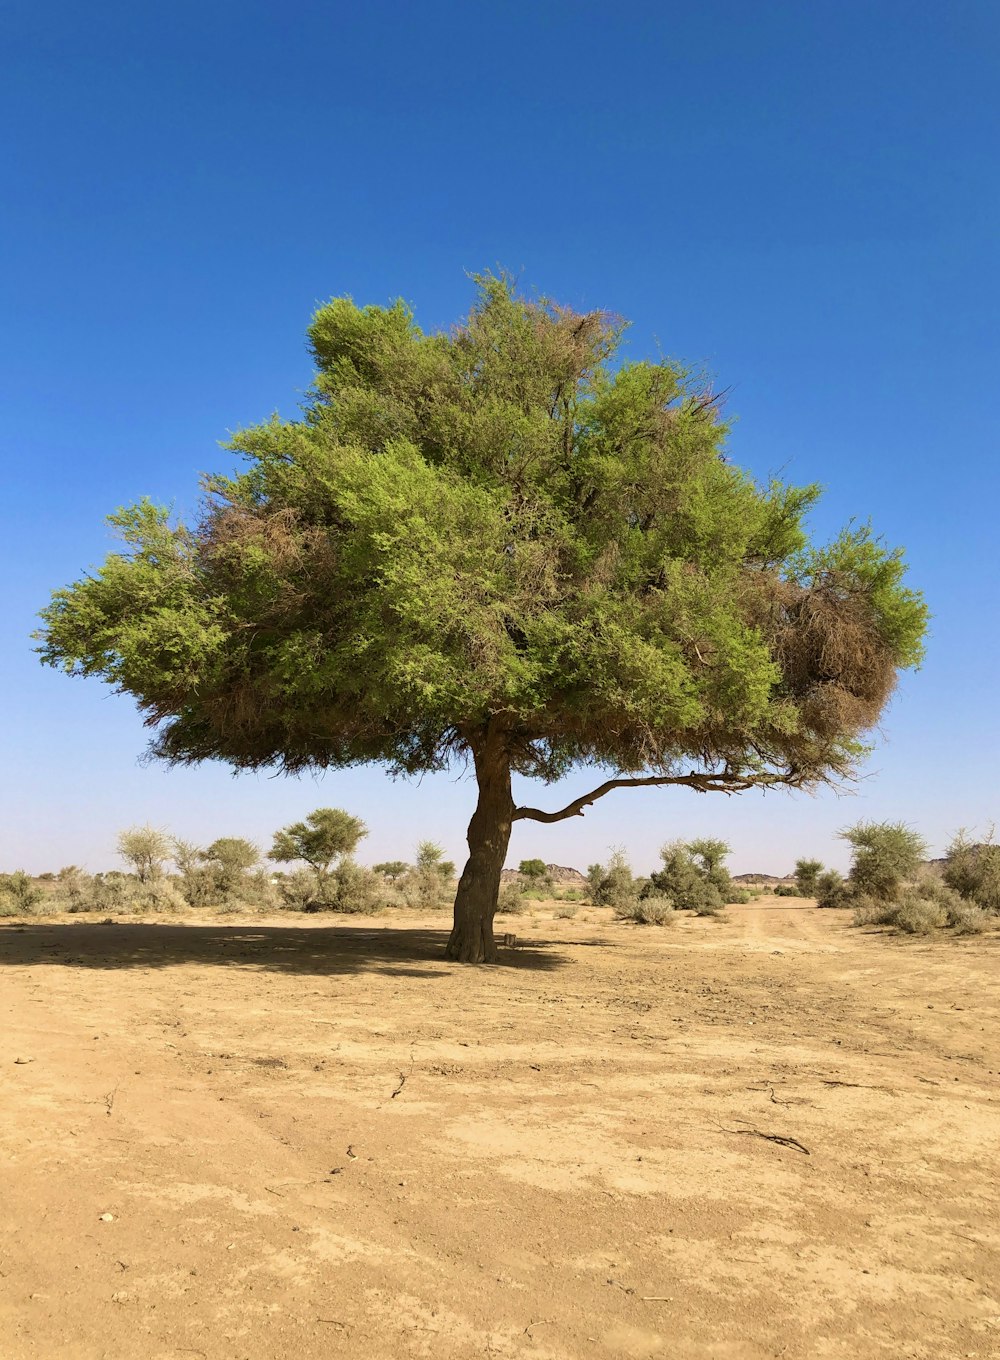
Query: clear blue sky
{"type": "Point", "coordinates": [802, 196]}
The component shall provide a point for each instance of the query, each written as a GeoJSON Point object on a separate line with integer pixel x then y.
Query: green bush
{"type": "Point", "coordinates": [832, 890]}
{"type": "Point", "coordinates": [565, 913]}
{"type": "Point", "coordinates": [613, 886]}
{"type": "Point", "coordinates": [807, 872]}
{"type": "Point", "coordinates": [19, 894]}
{"type": "Point", "coordinates": [886, 855]}
{"type": "Point", "coordinates": [973, 870]}
{"type": "Point", "coordinates": [786, 890]}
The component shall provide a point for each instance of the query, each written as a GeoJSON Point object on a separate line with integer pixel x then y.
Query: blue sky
{"type": "Point", "coordinates": [801, 197]}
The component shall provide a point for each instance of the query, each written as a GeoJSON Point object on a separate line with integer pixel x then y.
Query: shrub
{"type": "Point", "coordinates": [786, 890]}
{"type": "Point", "coordinates": [738, 897]}
{"type": "Point", "coordinates": [565, 913]}
{"type": "Point", "coordinates": [297, 890]}
{"type": "Point", "coordinates": [126, 894]}
{"type": "Point", "coordinates": [916, 915]}
{"type": "Point", "coordinates": [886, 854]}
{"type": "Point", "coordinates": [706, 900]}
{"type": "Point", "coordinates": [807, 872]}
{"type": "Point", "coordinates": [73, 887]}
{"type": "Point", "coordinates": [647, 911]}
{"type": "Point", "coordinates": [678, 879]}
{"type": "Point", "coordinates": [19, 893]}
{"type": "Point", "coordinates": [832, 890]}
{"type": "Point", "coordinates": [973, 870]}
{"type": "Point", "coordinates": [967, 919]}
{"type": "Point", "coordinates": [355, 889]}
{"type": "Point", "coordinates": [614, 887]}
{"type": "Point", "coordinates": [511, 900]}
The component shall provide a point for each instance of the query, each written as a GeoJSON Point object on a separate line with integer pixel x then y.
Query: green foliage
{"type": "Point", "coordinates": [392, 869]}
{"type": "Point", "coordinates": [807, 872]}
{"type": "Point", "coordinates": [923, 908]}
{"type": "Point", "coordinates": [973, 870]}
{"type": "Point", "coordinates": [831, 889]}
{"type": "Point", "coordinates": [535, 869]}
{"type": "Point", "coordinates": [693, 877]}
{"type": "Point", "coordinates": [709, 854]}
{"type": "Point", "coordinates": [19, 894]}
{"type": "Point", "coordinates": [326, 835]}
{"type": "Point", "coordinates": [886, 854]}
{"type": "Point", "coordinates": [230, 859]}
{"type": "Point", "coordinates": [786, 890]}
{"type": "Point", "coordinates": [613, 886]}
{"type": "Point", "coordinates": [146, 849]}
{"type": "Point", "coordinates": [503, 524]}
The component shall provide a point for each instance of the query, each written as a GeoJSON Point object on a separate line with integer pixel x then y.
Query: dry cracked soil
{"type": "Point", "coordinates": [769, 1136]}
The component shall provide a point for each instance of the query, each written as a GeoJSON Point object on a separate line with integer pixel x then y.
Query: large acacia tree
{"type": "Point", "coordinates": [507, 545]}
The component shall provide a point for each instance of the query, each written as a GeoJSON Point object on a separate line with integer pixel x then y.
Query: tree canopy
{"type": "Point", "coordinates": [507, 542]}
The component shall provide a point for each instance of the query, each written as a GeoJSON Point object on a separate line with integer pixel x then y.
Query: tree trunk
{"type": "Point", "coordinates": [489, 835]}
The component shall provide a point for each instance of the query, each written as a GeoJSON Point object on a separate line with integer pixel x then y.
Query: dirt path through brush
{"type": "Point", "coordinates": [769, 1136]}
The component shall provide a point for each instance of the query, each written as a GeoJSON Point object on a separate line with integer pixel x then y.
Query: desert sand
{"type": "Point", "coordinates": [258, 1138]}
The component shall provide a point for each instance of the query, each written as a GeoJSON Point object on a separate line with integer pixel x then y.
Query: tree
{"type": "Point", "coordinates": [391, 869]}
{"type": "Point", "coordinates": [326, 836]}
{"type": "Point", "coordinates": [886, 854]}
{"type": "Point", "coordinates": [807, 872]}
{"type": "Point", "coordinates": [146, 849]}
{"type": "Point", "coordinates": [507, 545]}
{"type": "Point", "coordinates": [973, 869]}
{"type": "Point", "coordinates": [230, 858]}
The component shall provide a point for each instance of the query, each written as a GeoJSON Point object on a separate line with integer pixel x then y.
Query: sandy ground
{"type": "Point", "coordinates": [772, 1136]}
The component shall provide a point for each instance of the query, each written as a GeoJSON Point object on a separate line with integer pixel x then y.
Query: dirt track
{"type": "Point", "coordinates": [321, 1140]}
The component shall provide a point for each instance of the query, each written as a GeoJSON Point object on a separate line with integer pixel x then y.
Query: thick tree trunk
{"type": "Point", "coordinates": [489, 835]}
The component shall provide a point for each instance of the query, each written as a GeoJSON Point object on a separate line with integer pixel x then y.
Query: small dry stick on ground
{"type": "Point", "coordinates": [784, 1139]}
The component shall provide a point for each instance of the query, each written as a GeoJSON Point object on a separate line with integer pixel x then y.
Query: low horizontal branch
{"type": "Point", "coordinates": [722, 782]}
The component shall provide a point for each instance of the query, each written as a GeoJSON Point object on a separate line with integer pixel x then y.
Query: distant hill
{"type": "Point", "coordinates": [557, 872]}
{"type": "Point", "coordinates": [762, 880]}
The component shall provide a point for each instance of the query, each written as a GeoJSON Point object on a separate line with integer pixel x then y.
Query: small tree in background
{"type": "Point", "coordinates": [146, 850]}
{"type": "Point", "coordinates": [18, 893]}
{"type": "Point", "coordinates": [832, 889]}
{"type": "Point", "coordinates": [886, 855]}
{"type": "Point", "coordinates": [325, 837]}
{"type": "Point", "coordinates": [230, 860]}
{"type": "Point", "coordinates": [972, 868]}
{"type": "Point", "coordinates": [807, 872]}
{"type": "Point", "coordinates": [392, 869]}
{"type": "Point", "coordinates": [536, 874]}
{"type": "Point", "coordinates": [613, 886]}
{"type": "Point", "coordinates": [710, 855]}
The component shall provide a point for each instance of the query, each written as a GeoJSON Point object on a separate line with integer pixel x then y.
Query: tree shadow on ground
{"type": "Point", "coordinates": [313, 950]}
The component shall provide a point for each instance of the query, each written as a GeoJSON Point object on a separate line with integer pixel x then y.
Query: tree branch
{"type": "Point", "coordinates": [722, 782]}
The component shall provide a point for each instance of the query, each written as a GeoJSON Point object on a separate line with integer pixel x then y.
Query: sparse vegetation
{"type": "Point", "coordinates": [327, 836]}
{"type": "Point", "coordinates": [972, 868]}
{"type": "Point", "coordinates": [647, 911]}
{"type": "Point", "coordinates": [807, 873]}
{"type": "Point", "coordinates": [146, 849]}
{"type": "Point", "coordinates": [886, 856]}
